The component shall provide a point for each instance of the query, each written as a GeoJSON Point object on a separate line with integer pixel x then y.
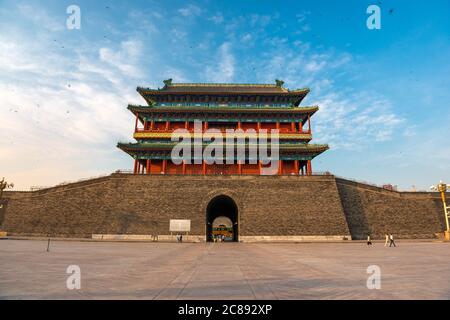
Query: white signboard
{"type": "Point", "coordinates": [180, 225]}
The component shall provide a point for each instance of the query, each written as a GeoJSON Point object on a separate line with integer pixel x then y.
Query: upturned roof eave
{"type": "Point", "coordinates": [149, 109]}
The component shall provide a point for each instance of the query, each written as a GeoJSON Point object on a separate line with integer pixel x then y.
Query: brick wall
{"type": "Point", "coordinates": [267, 205]}
{"type": "Point", "coordinates": [376, 211]}
{"type": "Point", "coordinates": [127, 204]}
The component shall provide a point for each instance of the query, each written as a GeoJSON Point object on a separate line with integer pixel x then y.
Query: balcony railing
{"type": "Point", "coordinates": [141, 130]}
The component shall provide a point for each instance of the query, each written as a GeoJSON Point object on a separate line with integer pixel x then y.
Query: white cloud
{"type": "Point", "coordinates": [41, 18]}
{"type": "Point", "coordinates": [190, 11]}
{"type": "Point", "coordinates": [223, 70]}
{"type": "Point", "coordinates": [125, 59]}
{"type": "Point", "coordinates": [217, 18]}
{"type": "Point", "coordinates": [61, 120]}
{"type": "Point", "coordinates": [353, 121]}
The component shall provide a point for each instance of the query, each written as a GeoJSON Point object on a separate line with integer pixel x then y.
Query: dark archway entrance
{"type": "Point", "coordinates": [222, 207]}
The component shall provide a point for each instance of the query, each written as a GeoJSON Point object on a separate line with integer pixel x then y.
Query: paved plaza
{"type": "Point", "coordinates": [120, 270]}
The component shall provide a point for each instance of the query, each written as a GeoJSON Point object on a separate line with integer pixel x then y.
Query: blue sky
{"type": "Point", "coordinates": [384, 94]}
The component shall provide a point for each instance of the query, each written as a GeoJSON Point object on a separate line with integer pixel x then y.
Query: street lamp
{"type": "Point", "coordinates": [4, 185]}
{"type": "Point", "coordinates": [442, 188]}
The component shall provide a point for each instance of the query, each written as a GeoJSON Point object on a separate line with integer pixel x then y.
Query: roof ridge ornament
{"type": "Point", "coordinates": [167, 82]}
{"type": "Point", "coordinates": [279, 83]}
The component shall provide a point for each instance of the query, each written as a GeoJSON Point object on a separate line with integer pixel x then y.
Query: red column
{"type": "Point", "coordinates": [135, 166]}
{"type": "Point", "coordinates": [137, 121]}
{"type": "Point", "coordinates": [239, 167]}
{"type": "Point", "coordinates": [293, 126]}
{"type": "Point", "coordinates": [296, 167]}
{"type": "Point", "coordinates": [278, 125]}
{"type": "Point", "coordinates": [152, 125]}
{"type": "Point", "coordinates": [239, 125]}
{"type": "Point", "coordinates": [260, 166]}
{"type": "Point", "coordinates": [300, 126]}
{"type": "Point", "coordinates": [164, 165]}
{"type": "Point", "coordinates": [167, 125]}
{"type": "Point", "coordinates": [186, 125]}
{"type": "Point", "coordinates": [280, 167]}
{"type": "Point", "coordinates": [309, 168]}
{"type": "Point", "coordinates": [204, 167]}
{"type": "Point", "coordinates": [148, 166]}
{"type": "Point", "coordinates": [309, 123]}
{"type": "Point", "coordinates": [258, 126]}
{"type": "Point", "coordinates": [184, 167]}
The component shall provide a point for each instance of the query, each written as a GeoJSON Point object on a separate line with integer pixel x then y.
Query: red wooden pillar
{"type": "Point", "coordinates": [239, 167]}
{"type": "Point", "coordinates": [205, 126]}
{"type": "Point", "coordinates": [309, 168]}
{"type": "Point", "coordinates": [293, 126]}
{"type": "Point", "coordinates": [296, 167]}
{"type": "Point", "coordinates": [148, 166]}
{"type": "Point", "coordinates": [239, 125]}
{"type": "Point", "coordinates": [184, 167]}
{"type": "Point", "coordinates": [300, 126]}
{"type": "Point", "coordinates": [152, 125]}
{"type": "Point", "coordinates": [260, 167]}
{"type": "Point", "coordinates": [186, 124]}
{"type": "Point", "coordinates": [164, 166]}
{"type": "Point", "coordinates": [135, 166]}
{"type": "Point", "coordinates": [137, 121]}
{"type": "Point", "coordinates": [258, 126]}
{"type": "Point", "coordinates": [204, 167]}
{"type": "Point", "coordinates": [278, 125]}
{"type": "Point", "coordinates": [280, 167]}
{"type": "Point", "coordinates": [167, 125]}
{"type": "Point", "coordinates": [309, 123]}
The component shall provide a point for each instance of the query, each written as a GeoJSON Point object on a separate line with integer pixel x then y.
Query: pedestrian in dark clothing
{"type": "Point", "coordinates": [369, 241]}
{"type": "Point", "coordinates": [391, 241]}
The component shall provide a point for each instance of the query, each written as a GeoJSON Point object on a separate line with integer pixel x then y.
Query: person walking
{"type": "Point", "coordinates": [369, 241]}
{"type": "Point", "coordinates": [181, 238]}
{"type": "Point", "coordinates": [387, 240]}
{"type": "Point", "coordinates": [391, 241]}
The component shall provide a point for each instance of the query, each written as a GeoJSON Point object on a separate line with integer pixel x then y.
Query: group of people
{"type": "Point", "coordinates": [179, 238]}
{"type": "Point", "coordinates": [389, 239]}
{"type": "Point", "coordinates": [219, 238]}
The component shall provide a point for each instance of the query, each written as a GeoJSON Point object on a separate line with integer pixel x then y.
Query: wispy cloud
{"type": "Point", "coordinates": [125, 58]}
{"type": "Point", "coordinates": [224, 68]}
{"type": "Point", "coordinates": [40, 17]}
{"type": "Point", "coordinates": [190, 11]}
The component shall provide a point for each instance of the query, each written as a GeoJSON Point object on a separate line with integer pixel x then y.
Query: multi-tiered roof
{"type": "Point", "coordinates": [230, 105]}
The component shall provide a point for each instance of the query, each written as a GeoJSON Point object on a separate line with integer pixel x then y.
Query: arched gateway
{"type": "Point", "coordinates": [222, 217]}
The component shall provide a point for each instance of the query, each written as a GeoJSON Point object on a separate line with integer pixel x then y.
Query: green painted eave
{"type": "Point", "coordinates": [169, 145]}
{"type": "Point", "coordinates": [215, 108]}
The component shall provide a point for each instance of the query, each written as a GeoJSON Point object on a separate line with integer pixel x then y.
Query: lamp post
{"type": "Point", "coordinates": [4, 185]}
{"type": "Point", "coordinates": [442, 188]}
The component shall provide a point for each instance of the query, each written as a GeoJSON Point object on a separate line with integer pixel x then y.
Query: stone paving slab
{"type": "Point", "coordinates": [114, 270]}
